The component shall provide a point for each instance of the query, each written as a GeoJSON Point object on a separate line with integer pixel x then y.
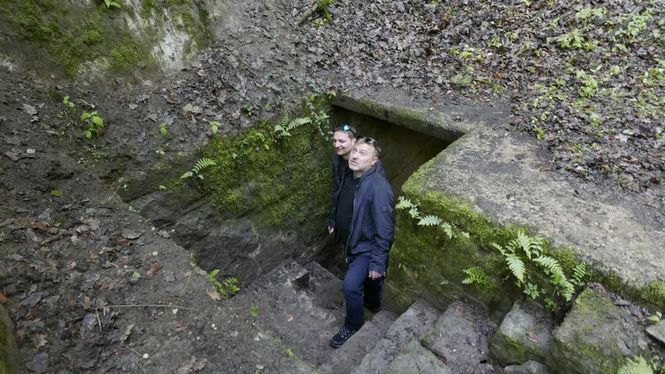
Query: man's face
{"type": "Point", "coordinates": [343, 144]}
{"type": "Point", "coordinates": [363, 157]}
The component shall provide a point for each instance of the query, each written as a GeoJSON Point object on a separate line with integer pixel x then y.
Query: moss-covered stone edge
{"type": "Point", "coordinates": [280, 181]}
{"type": "Point", "coordinates": [61, 39]}
{"type": "Point", "coordinates": [426, 263]}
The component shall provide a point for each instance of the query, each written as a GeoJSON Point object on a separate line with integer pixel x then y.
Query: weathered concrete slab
{"type": "Point", "coordinates": [524, 334]}
{"type": "Point", "coordinates": [414, 322]}
{"type": "Point", "coordinates": [417, 359]}
{"type": "Point", "coordinates": [506, 177]}
{"type": "Point", "coordinates": [461, 338]}
{"type": "Point", "coordinates": [345, 358]}
{"type": "Point", "coordinates": [596, 337]}
{"type": "Point", "coordinates": [657, 331]}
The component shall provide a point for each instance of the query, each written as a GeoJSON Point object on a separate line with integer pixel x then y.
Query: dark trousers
{"type": "Point", "coordinates": [359, 289]}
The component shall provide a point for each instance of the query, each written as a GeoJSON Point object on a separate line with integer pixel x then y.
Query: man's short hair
{"type": "Point", "coordinates": [345, 127]}
{"type": "Point", "coordinates": [370, 141]}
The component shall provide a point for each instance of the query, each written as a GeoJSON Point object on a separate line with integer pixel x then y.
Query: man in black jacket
{"type": "Point", "coordinates": [344, 138]}
{"type": "Point", "coordinates": [365, 224]}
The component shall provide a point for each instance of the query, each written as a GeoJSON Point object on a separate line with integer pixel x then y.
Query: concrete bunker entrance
{"type": "Point", "coordinates": [403, 152]}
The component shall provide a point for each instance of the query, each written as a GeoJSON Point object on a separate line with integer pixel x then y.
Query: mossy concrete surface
{"type": "Point", "coordinates": [524, 334]}
{"type": "Point", "coordinates": [84, 39]}
{"type": "Point", "coordinates": [9, 358]}
{"type": "Point", "coordinates": [490, 183]}
{"type": "Point", "coordinates": [596, 337]}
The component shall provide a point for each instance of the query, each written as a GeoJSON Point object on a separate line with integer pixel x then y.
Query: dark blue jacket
{"type": "Point", "coordinates": [338, 177]}
{"type": "Point", "coordinates": [373, 222]}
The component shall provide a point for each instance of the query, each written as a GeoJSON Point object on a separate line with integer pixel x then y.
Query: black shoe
{"type": "Point", "coordinates": [373, 309]}
{"type": "Point", "coordinates": [341, 337]}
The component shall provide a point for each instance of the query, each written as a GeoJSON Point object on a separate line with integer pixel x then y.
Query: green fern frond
{"type": "Point", "coordinates": [430, 220]}
{"type": "Point", "coordinates": [202, 164]}
{"type": "Point", "coordinates": [499, 248]}
{"type": "Point", "coordinates": [516, 266]}
{"type": "Point", "coordinates": [637, 365]}
{"type": "Point", "coordinates": [551, 267]}
{"type": "Point", "coordinates": [413, 212]}
{"type": "Point", "coordinates": [476, 275]}
{"type": "Point", "coordinates": [447, 228]}
{"type": "Point", "coordinates": [579, 272]}
{"type": "Point", "coordinates": [404, 203]}
{"type": "Point", "coordinates": [531, 246]}
{"type": "Point", "coordinates": [297, 122]}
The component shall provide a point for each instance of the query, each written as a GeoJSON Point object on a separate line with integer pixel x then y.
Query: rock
{"type": "Point", "coordinates": [418, 359]}
{"type": "Point", "coordinates": [529, 367]}
{"type": "Point", "coordinates": [657, 331]}
{"type": "Point", "coordinates": [414, 322]}
{"type": "Point", "coordinates": [525, 334]}
{"type": "Point", "coordinates": [460, 337]}
{"type": "Point", "coordinates": [595, 337]}
{"type": "Point", "coordinates": [131, 234]}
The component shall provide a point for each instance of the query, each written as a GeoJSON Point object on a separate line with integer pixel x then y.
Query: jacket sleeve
{"type": "Point", "coordinates": [384, 220]}
{"type": "Point", "coordinates": [333, 193]}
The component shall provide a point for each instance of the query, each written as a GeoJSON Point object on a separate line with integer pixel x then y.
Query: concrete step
{"type": "Point", "coordinates": [460, 338]}
{"type": "Point", "coordinates": [414, 322]}
{"type": "Point", "coordinates": [300, 305]}
{"type": "Point", "coordinates": [345, 358]}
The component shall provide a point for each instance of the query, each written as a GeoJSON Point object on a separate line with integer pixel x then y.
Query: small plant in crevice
{"type": "Point", "coordinates": [112, 4]}
{"type": "Point", "coordinates": [227, 287]}
{"type": "Point", "coordinates": [214, 127]}
{"type": "Point", "coordinates": [655, 318]}
{"type": "Point", "coordinates": [639, 365]}
{"type": "Point", "coordinates": [201, 164]}
{"type": "Point", "coordinates": [524, 255]}
{"type": "Point", "coordinates": [94, 123]}
{"type": "Point", "coordinates": [284, 127]}
{"type": "Point", "coordinates": [164, 129]}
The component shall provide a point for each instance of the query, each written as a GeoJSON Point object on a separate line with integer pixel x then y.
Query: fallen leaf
{"type": "Point", "coordinates": [3, 298]}
{"type": "Point", "coordinates": [214, 294]}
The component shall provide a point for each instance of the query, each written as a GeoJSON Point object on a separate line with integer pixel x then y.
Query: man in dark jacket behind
{"type": "Point", "coordinates": [364, 222]}
{"type": "Point", "coordinates": [344, 138]}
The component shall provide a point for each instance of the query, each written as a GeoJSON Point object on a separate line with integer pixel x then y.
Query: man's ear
{"type": "Point", "coordinates": [374, 160]}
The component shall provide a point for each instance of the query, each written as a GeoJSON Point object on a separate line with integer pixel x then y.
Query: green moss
{"type": "Point", "coordinates": [654, 294]}
{"type": "Point", "coordinates": [92, 34]}
{"type": "Point", "coordinates": [126, 54]}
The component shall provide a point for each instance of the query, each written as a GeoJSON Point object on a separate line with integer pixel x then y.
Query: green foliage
{"type": "Point", "coordinates": [163, 129]}
{"type": "Point", "coordinates": [57, 193]}
{"type": "Point", "coordinates": [428, 220]}
{"type": "Point", "coordinates": [284, 127]}
{"type": "Point", "coordinates": [571, 40]}
{"type": "Point", "coordinates": [524, 254]}
{"type": "Point", "coordinates": [636, 365]}
{"type": "Point", "coordinates": [589, 84]}
{"type": "Point", "coordinates": [94, 123]}
{"type": "Point", "coordinates": [112, 4]}
{"type": "Point", "coordinates": [201, 164]}
{"type": "Point", "coordinates": [655, 318]}
{"type": "Point", "coordinates": [254, 311]}
{"type": "Point", "coordinates": [227, 287]}
{"type": "Point", "coordinates": [323, 11]}
{"type": "Point", "coordinates": [214, 127]}
{"type": "Point", "coordinates": [67, 103]}
{"type": "Point", "coordinates": [476, 275]}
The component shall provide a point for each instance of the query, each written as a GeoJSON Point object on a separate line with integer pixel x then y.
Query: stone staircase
{"type": "Point", "coordinates": [299, 308]}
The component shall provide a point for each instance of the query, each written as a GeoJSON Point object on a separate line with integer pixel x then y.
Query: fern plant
{"type": "Point", "coordinates": [523, 251]}
{"type": "Point", "coordinates": [198, 168]}
{"type": "Point", "coordinates": [637, 365]}
{"type": "Point", "coordinates": [284, 127]}
{"type": "Point", "coordinates": [227, 287]}
{"type": "Point", "coordinates": [476, 275]}
{"type": "Point", "coordinates": [428, 220]}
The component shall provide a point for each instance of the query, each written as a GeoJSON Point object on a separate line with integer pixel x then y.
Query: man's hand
{"type": "Point", "coordinates": [373, 275]}
{"type": "Point", "coordinates": [331, 230]}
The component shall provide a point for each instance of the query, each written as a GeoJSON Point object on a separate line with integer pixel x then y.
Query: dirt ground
{"type": "Point", "coordinates": [75, 260]}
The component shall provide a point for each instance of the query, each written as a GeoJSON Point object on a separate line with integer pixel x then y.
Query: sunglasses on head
{"type": "Point", "coordinates": [346, 127]}
{"type": "Point", "coordinates": [370, 141]}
